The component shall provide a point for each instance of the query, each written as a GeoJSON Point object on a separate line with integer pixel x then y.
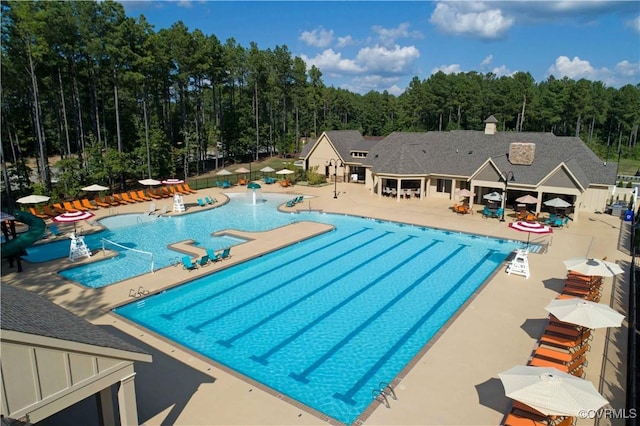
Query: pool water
{"type": "Point", "coordinates": [328, 320]}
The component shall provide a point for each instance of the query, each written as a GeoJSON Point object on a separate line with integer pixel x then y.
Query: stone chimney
{"type": "Point", "coordinates": [522, 153]}
{"type": "Point", "coordinates": [490, 125]}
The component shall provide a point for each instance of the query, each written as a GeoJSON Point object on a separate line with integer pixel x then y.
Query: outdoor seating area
{"type": "Point", "coordinates": [562, 350]}
{"type": "Point", "coordinates": [489, 212]}
{"type": "Point", "coordinates": [405, 193]}
{"type": "Point", "coordinates": [269, 180]}
{"type": "Point", "coordinates": [295, 201]}
{"type": "Point", "coordinates": [190, 264]}
{"type": "Point", "coordinates": [462, 208]}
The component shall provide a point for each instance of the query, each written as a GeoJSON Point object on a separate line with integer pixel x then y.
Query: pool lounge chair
{"type": "Point", "coordinates": [49, 211]}
{"type": "Point", "coordinates": [54, 230]}
{"type": "Point", "coordinates": [78, 205]}
{"type": "Point", "coordinates": [66, 205]}
{"type": "Point", "coordinates": [226, 253]}
{"type": "Point", "coordinates": [188, 188]}
{"type": "Point", "coordinates": [226, 184]}
{"type": "Point", "coordinates": [142, 195]}
{"type": "Point", "coordinates": [213, 256]}
{"type": "Point", "coordinates": [188, 264]}
{"type": "Point", "coordinates": [112, 200]}
{"type": "Point", "coordinates": [152, 208]}
{"type": "Point", "coordinates": [86, 203]}
{"type": "Point", "coordinates": [162, 211]}
{"type": "Point", "coordinates": [208, 200]}
{"type": "Point", "coordinates": [201, 202]}
{"type": "Point", "coordinates": [134, 196]}
{"type": "Point", "coordinates": [37, 213]}
{"type": "Point", "coordinates": [203, 261]}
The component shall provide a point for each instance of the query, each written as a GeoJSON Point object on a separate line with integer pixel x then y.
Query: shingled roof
{"type": "Point", "coordinates": [27, 312]}
{"type": "Point", "coordinates": [462, 152]}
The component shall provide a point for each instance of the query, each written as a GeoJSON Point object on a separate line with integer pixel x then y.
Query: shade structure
{"type": "Point", "coordinates": [253, 185]}
{"type": "Point", "coordinates": [527, 199]}
{"type": "Point", "coordinates": [172, 181]}
{"type": "Point", "coordinates": [95, 188]}
{"type": "Point", "coordinates": [267, 169]}
{"type": "Point", "coordinates": [584, 313]}
{"type": "Point", "coordinates": [591, 266]}
{"type": "Point", "coordinates": [531, 228]}
{"type": "Point", "coordinates": [464, 193]}
{"type": "Point", "coordinates": [551, 391]}
{"type": "Point", "coordinates": [284, 172]}
{"type": "Point", "coordinates": [73, 217]}
{"type": "Point", "coordinates": [493, 196]}
{"type": "Point", "coordinates": [6, 216]}
{"type": "Point", "coordinates": [33, 199]}
{"type": "Point", "coordinates": [243, 170]}
{"type": "Point", "coordinates": [557, 202]}
{"type": "Point", "coordinates": [224, 172]}
{"type": "Point", "coordinates": [149, 182]}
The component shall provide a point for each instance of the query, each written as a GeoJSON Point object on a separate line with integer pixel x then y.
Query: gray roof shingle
{"type": "Point", "coordinates": [462, 152]}
{"type": "Point", "coordinates": [27, 312]}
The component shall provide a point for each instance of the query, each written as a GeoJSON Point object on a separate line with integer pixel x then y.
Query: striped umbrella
{"type": "Point", "coordinates": [74, 217]}
{"type": "Point", "coordinates": [530, 228]}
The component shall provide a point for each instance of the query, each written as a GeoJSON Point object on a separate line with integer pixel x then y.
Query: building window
{"type": "Point", "coordinates": [444, 186]}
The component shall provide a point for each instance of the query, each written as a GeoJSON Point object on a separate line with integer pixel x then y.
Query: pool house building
{"type": "Point", "coordinates": [439, 164]}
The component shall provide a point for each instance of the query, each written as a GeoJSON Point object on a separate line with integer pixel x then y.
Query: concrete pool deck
{"type": "Point", "coordinates": [453, 382]}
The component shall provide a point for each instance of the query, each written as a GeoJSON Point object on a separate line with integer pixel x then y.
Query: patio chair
{"type": "Point", "coordinates": [37, 213]}
{"type": "Point", "coordinates": [486, 212]}
{"type": "Point", "coordinates": [101, 203]}
{"type": "Point", "coordinates": [226, 253]}
{"type": "Point", "coordinates": [498, 213]}
{"type": "Point", "coordinates": [134, 196]}
{"type": "Point", "coordinates": [142, 195]}
{"type": "Point", "coordinates": [201, 202]}
{"type": "Point", "coordinates": [208, 200]}
{"type": "Point", "coordinates": [112, 200]}
{"type": "Point", "coordinates": [188, 188]}
{"type": "Point", "coordinates": [86, 203]}
{"type": "Point", "coordinates": [68, 207]}
{"type": "Point", "coordinates": [152, 208]}
{"type": "Point", "coordinates": [203, 261]}
{"type": "Point", "coordinates": [188, 264]}
{"type": "Point", "coordinates": [49, 211]}
{"type": "Point", "coordinates": [162, 211]}
{"type": "Point", "coordinates": [213, 256]}
{"type": "Point", "coordinates": [78, 205]}
{"type": "Point", "coordinates": [181, 190]}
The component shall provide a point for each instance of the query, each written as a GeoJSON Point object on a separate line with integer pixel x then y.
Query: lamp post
{"type": "Point", "coordinates": [506, 177]}
{"type": "Point", "coordinates": [335, 163]}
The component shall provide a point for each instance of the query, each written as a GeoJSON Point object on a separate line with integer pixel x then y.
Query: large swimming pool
{"type": "Point", "coordinates": [329, 320]}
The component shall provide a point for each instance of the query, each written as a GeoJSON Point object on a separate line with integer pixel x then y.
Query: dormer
{"type": "Point", "coordinates": [490, 125]}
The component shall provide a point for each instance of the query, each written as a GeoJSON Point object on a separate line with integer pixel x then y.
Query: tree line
{"type": "Point", "coordinates": [117, 100]}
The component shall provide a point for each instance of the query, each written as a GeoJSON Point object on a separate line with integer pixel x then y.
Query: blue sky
{"type": "Point", "coordinates": [381, 45]}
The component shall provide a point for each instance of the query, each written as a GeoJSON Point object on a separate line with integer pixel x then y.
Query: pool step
{"type": "Point", "coordinates": [382, 392]}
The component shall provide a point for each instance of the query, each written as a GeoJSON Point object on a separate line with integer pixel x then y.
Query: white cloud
{"type": "Point", "coordinates": [486, 61]}
{"type": "Point", "coordinates": [380, 59]}
{"type": "Point", "coordinates": [635, 23]}
{"type": "Point", "coordinates": [502, 70]}
{"type": "Point", "coordinates": [447, 69]}
{"type": "Point", "coordinates": [473, 19]}
{"type": "Point", "coordinates": [624, 72]}
{"type": "Point", "coordinates": [388, 36]}
{"type": "Point", "coordinates": [345, 41]}
{"type": "Point", "coordinates": [575, 68]}
{"type": "Point", "coordinates": [318, 38]}
{"type": "Point", "coordinates": [332, 62]}
{"type": "Point", "coordinates": [373, 82]}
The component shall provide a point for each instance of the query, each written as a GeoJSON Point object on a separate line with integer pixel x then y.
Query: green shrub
{"type": "Point", "coordinates": [315, 178]}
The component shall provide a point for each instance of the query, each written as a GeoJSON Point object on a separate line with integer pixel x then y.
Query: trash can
{"type": "Point", "coordinates": [628, 216]}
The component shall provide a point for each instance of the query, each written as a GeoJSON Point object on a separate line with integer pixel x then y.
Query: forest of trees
{"type": "Point", "coordinates": [117, 100]}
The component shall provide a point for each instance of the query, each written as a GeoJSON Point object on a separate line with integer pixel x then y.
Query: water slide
{"type": "Point", "coordinates": [37, 228]}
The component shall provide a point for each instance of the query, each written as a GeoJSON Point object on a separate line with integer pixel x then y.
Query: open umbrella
{"type": "Point", "coordinates": [6, 216]}
{"type": "Point", "coordinates": [73, 217]}
{"type": "Point", "coordinates": [224, 172]}
{"type": "Point", "coordinates": [527, 199]}
{"type": "Point", "coordinates": [33, 199]}
{"type": "Point", "coordinates": [591, 266]}
{"type": "Point", "coordinates": [284, 172]}
{"type": "Point", "coordinates": [493, 196]}
{"type": "Point", "coordinates": [150, 182]}
{"type": "Point", "coordinates": [557, 202]}
{"type": "Point", "coordinates": [531, 228]}
{"type": "Point", "coordinates": [243, 170]}
{"type": "Point", "coordinates": [95, 188]}
{"type": "Point", "coordinates": [267, 169]}
{"type": "Point", "coordinates": [464, 193]}
{"type": "Point", "coordinates": [551, 391]}
{"type": "Point", "coordinates": [172, 182]}
{"type": "Point", "coordinates": [584, 313]}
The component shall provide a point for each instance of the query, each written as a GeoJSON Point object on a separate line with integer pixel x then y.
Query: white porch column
{"type": "Point", "coordinates": [422, 188]}
{"type": "Point", "coordinates": [105, 407]}
{"type": "Point", "coordinates": [539, 203]}
{"type": "Point", "coordinates": [127, 401]}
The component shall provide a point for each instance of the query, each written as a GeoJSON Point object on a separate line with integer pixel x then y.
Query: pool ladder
{"type": "Point", "coordinates": [382, 393]}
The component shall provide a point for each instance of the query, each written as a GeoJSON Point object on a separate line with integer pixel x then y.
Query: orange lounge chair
{"type": "Point", "coordinates": [514, 419]}
{"type": "Point", "coordinates": [566, 342]}
{"type": "Point", "coordinates": [181, 190]}
{"type": "Point", "coordinates": [37, 213]}
{"type": "Point", "coordinates": [564, 367]}
{"type": "Point", "coordinates": [188, 188]}
{"type": "Point", "coordinates": [86, 203]}
{"type": "Point", "coordinates": [560, 356]}
{"type": "Point", "coordinates": [101, 203]}
{"type": "Point", "coordinates": [152, 194]}
{"type": "Point", "coordinates": [112, 200]}
{"type": "Point", "coordinates": [164, 192]}
{"type": "Point", "coordinates": [49, 211]}
{"type": "Point", "coordinates": [78, 206]}
{"type": "Point", "coordinates": [66, 205]}
{"type": "Point", "coordinates": [563, 331]}
{"type": "Point", "coordinates": [284, 183]}
{"type": "Point", "coordinates": [123, 196]}
{"type": "Point", "coordinates": [140, 193]}
{"type": "Point", "coordinates": [134, 196]}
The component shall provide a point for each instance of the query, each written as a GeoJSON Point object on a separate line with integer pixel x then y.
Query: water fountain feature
{"type": "Point", "coordinates": [254, 192]}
